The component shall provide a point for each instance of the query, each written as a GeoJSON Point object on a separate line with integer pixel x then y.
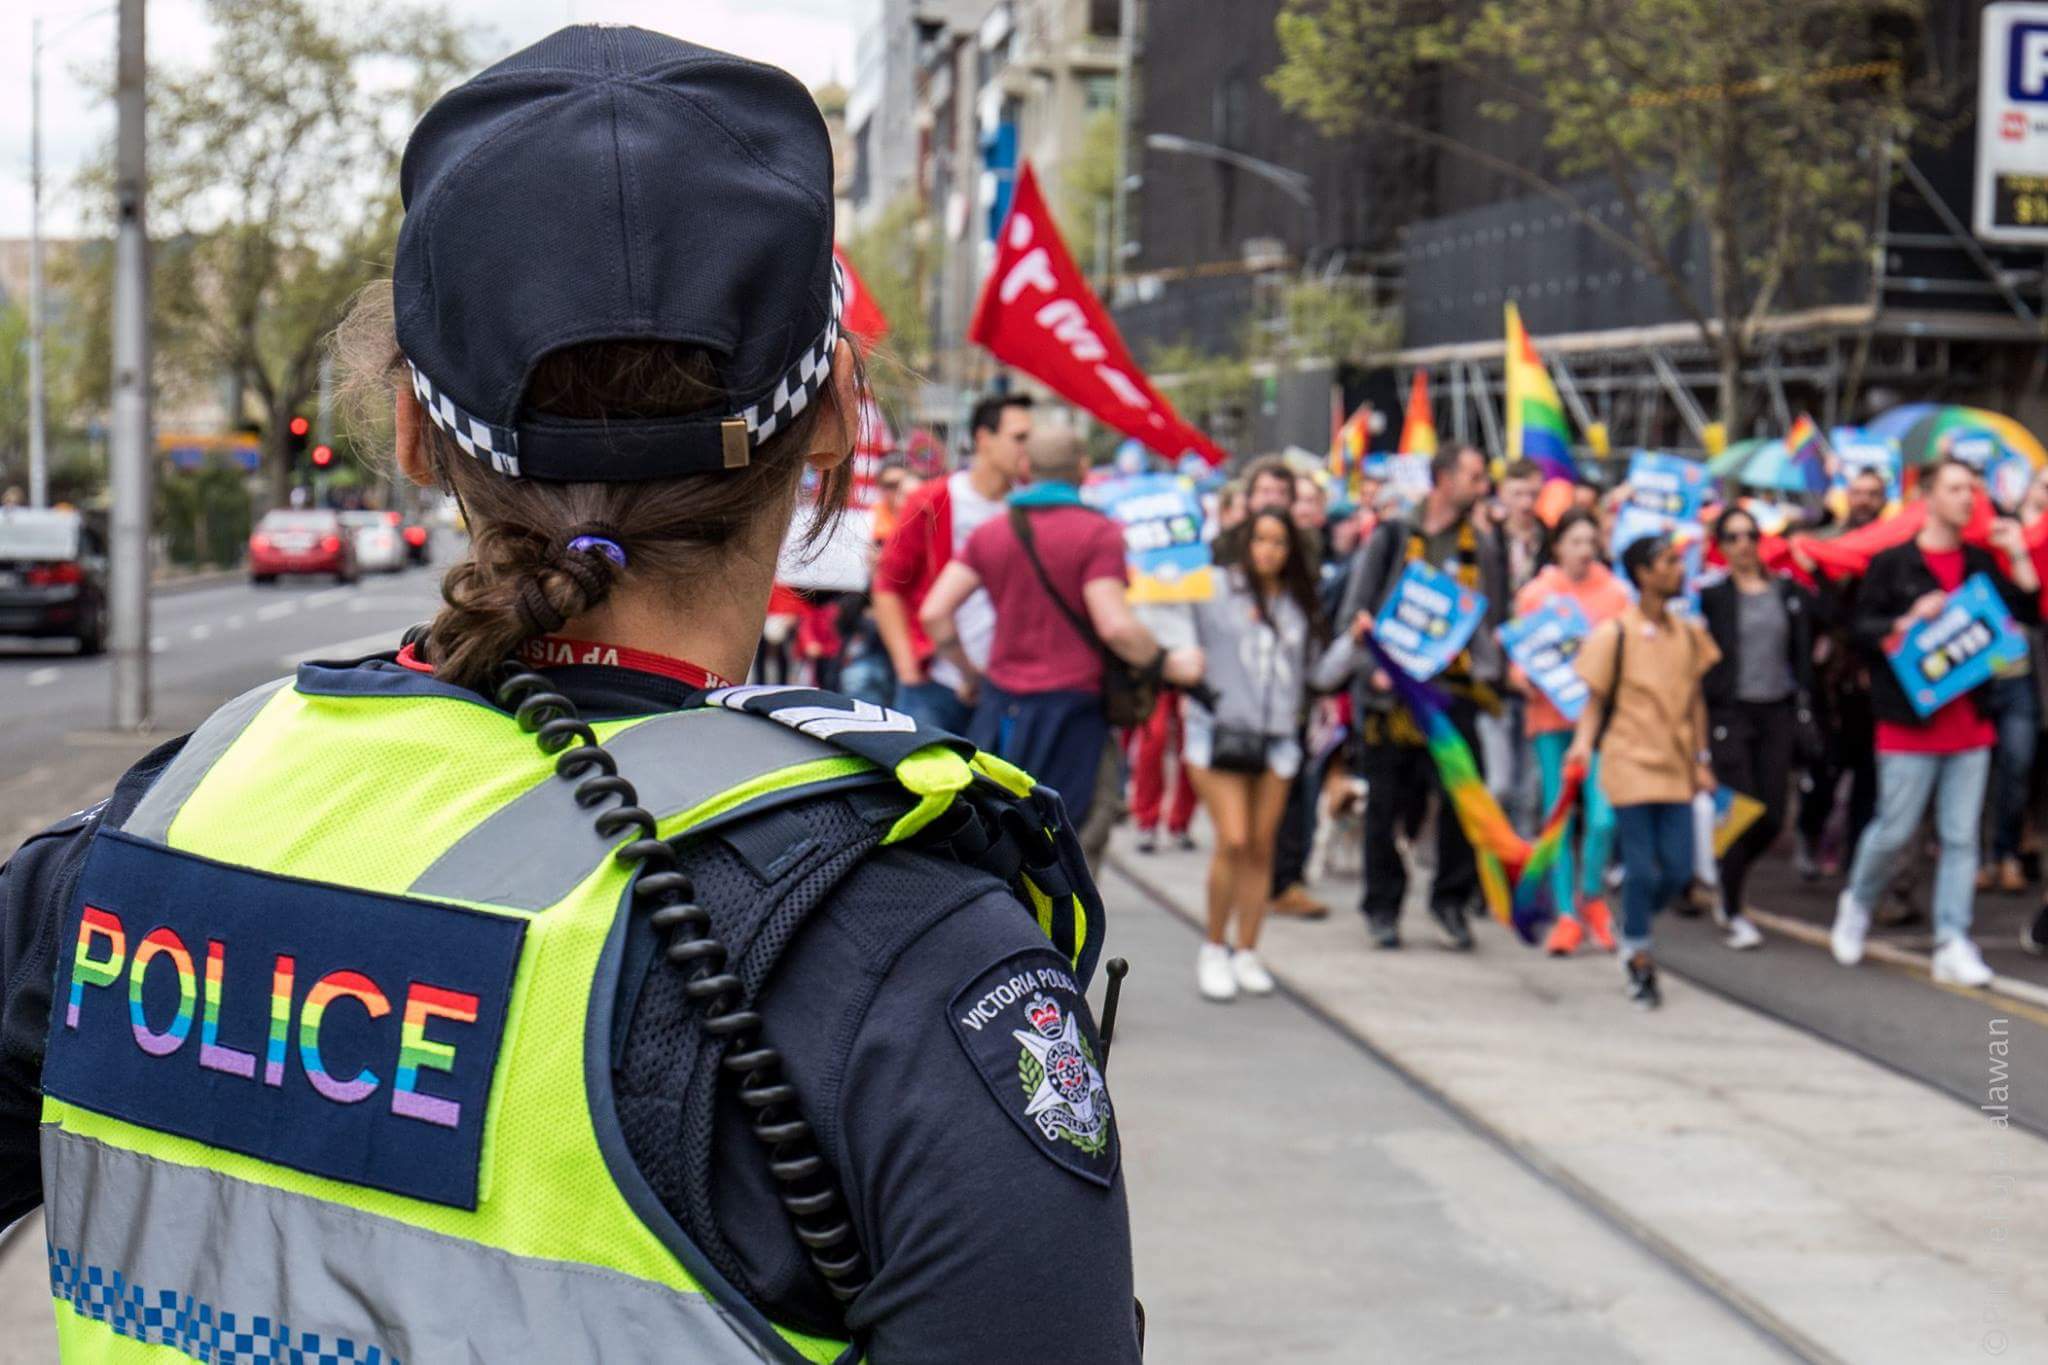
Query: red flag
{"type": "Point", "coordinates": [1038, 314]}
{"type": "Point", "coordinates": [1851, 552]}
{"type": "Point", "coordinates": [862, 315]}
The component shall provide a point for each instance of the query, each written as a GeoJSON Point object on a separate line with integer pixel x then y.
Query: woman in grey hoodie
{"type": "Point", "coordinates": [1255, 636]}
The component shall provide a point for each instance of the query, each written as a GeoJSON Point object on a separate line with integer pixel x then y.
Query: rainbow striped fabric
{"type": "Point", "coordinates": [1510, 877]}
{"type": "Point", "coordinates": [1418, 423]}
{"type": "Point", "coordinates": [1536, 426]}
{"type": "Point", "coordinates": [1348, 446]}
{"type": "Point", "coordinates": [1808, 449]}
{"type": "Point", "coordinates": [1533, 895]}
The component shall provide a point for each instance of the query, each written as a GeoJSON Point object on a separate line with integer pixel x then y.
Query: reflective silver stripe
{"type": "Point", "coordinates": [533, 851]}
{"type": "Point", "coordinates": [419, 1297]}
{"type": "Point", "coordinates": [152, 816]}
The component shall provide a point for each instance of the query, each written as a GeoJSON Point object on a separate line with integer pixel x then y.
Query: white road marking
{"type": "Point", "coordinates": [233, 622]}
{"type": "Point", "coordinates": [200, 632]}
{"type": "Point", "coordinates": [345, 649]}
{"type": "Point", "coordinates": [159, 643]}
{"type": "Point", "coordinates": [326, 595]}
{"type": "Point", "coordinates": [43, 677]}
{"type": "Point", "coordinates": [276, 611]}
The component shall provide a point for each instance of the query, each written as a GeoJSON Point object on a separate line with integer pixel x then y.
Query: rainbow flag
{"type": "Point", "coordinates": [1503, 855]}
{"type": "Point", "coordinates": [1809, 451]}
{"type": "Point", "coordinates": [1418, 424]}
{"type": "Point", "coordinates": [1348, 447]}
{"type": "Point", "coordinates": [1533, 894]}
{"type": "Point", "coordinates": [1536, 427]}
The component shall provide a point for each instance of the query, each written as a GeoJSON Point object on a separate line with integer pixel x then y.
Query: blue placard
{"type": "Point", "coordinates": [1163, 544]}
{"type": "Point", "coordinates": [1543, 644]}
{"type": "Point", "coordinates": [331, 1030]}
{"type": "Point", "coordinates": [1857, 450]}
{"type": "Point", "coordinates": [1667, 485]}
{"type": "Point", "coordinates": [1428, 619]}
{"type": "Point", "coordinates": [1974, 637]}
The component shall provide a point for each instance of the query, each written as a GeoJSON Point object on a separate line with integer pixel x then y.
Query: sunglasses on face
{"type": "Point", "coordinates": [1733, 537]}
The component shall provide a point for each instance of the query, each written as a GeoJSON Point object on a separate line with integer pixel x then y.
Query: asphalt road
{"type": "Point", "coordinates": [209, 644]}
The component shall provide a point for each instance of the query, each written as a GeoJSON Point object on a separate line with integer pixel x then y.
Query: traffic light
{"type": "Point", "coordinates": [323, 456]}
{"type": "Point", "coordinates": [296, 431]}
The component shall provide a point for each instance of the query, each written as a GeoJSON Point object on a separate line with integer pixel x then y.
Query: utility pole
{"type": "Point", "coordinates": [38, 447]}
{"type": "Point", "coordinates": [129, 459]}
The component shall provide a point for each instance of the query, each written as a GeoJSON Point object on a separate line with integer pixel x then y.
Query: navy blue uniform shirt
{"type": "Point", "coordinates": [988, 1242]}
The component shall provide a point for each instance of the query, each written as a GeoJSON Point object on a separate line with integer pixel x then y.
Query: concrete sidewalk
{"type": "Point", "coordinates": [1293, 1199]}
{"type": "Point", "coordinates": [1854, 1213]}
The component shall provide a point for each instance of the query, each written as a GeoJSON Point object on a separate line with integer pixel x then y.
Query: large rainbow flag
{"type": "Point", "coordinates": [1536, 427]}
{"type": "Point", "coordinates": [1513, 873]}
{"type": "Point", "coordinates": [1418, 423]}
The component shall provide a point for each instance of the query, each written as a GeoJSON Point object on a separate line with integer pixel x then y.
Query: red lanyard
{"type": "Point", "coordinates": [552, 651]}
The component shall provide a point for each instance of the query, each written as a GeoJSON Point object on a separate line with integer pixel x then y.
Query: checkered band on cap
{"type": "Point", "coordinates": [498, 446]}
{"type": "Point", "coordinates": [805, 380]}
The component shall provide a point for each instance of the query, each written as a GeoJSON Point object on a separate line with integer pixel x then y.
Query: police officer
{"type": "Point", "coordinates": [529, 992]}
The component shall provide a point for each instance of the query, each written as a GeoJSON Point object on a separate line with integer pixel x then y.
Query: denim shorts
{"type": "Point", "coordinates": [1198, 743]}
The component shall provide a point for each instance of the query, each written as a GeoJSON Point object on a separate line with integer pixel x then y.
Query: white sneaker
{"type": "Point", "coordinates": [1213, 974]}
{"type": "Point", "coordinates": [1852, 926]}
{"type": "Point", "coordinates": [1742, 933]}
{"type": "Point", "coordinates": [1958, 963]}
{"type": "Point", "coordinates": [1251, 974]}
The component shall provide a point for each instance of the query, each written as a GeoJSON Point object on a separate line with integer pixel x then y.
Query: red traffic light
{"type": "Point", "coordinates": [299, 426]}
{"type": "Point", "coordinates": [323, 456]}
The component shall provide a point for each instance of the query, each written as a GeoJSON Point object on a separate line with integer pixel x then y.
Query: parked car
{"type": "Point", "coordinates": [308, 542]}
{"type": "Point", "coordinates": [378, 546]}
{"type": "Point", "coordinates": [53, 577]}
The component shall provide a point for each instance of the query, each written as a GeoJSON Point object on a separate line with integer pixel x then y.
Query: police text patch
{"type": "Point", "coordinates": [335, 1031]}
{"type": "Point", "coordinates": [1027, 1031]}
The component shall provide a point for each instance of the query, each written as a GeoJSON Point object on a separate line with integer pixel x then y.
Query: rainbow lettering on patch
{"type": "Point", "coordinates": [416, 1050]}
{"type": "Point", "coordinates": [329, 988]}
{"type": "Point", "coordinates": [341, 1032]}
{"type": "Point", "coordinates": [161, 943]}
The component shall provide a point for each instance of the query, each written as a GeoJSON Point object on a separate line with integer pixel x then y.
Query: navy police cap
{"type": "Point", "coordinates": [607, 184]}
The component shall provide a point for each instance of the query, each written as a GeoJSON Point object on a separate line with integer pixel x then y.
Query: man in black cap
{"type": "Point", "coordinates": [555, 999]}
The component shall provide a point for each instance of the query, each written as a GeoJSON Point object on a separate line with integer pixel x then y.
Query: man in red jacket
{"type": "Point", "coordinates": [933, 524]}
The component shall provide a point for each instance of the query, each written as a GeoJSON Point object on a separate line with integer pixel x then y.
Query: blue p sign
{"type": "Point", "coordinates": [2026, 63]}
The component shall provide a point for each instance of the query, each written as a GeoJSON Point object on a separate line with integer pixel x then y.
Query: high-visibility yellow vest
{"type": "Point", "coordinates": [328, 1076]}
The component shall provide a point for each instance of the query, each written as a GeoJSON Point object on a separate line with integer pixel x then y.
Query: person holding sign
{"type": "Point", "coordinates": [1944, 757]}
{"type": "Point", "coordinates": [1399, 773]}
{"type": "Point", "coordinates": [1576, 575]}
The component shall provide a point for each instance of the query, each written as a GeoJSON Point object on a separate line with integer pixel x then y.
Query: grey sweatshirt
{"type": "Point", "coordinates": [1257, 670]}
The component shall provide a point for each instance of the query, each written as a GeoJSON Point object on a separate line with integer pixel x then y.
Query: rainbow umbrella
{"type": "Point", "coordinates": [1928, 431]}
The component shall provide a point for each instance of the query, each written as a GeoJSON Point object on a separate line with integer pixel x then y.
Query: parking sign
{"type": "Point", "coordinates": [2011, 202]}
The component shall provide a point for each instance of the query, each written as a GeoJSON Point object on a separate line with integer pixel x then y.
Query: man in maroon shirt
{"type": "Point", "coordinates": [932, 525]}
{"type": "Point", "coordinates": [1040, 701]}
{"type": "Point", "coordinates": [1946, 757]}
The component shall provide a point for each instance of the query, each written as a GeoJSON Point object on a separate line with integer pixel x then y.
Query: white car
{"type": "Point", "coordinates": [379, 546]}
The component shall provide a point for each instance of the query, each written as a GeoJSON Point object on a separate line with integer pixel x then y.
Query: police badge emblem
{"type": "Point", "coordinates": [1025, 1028]}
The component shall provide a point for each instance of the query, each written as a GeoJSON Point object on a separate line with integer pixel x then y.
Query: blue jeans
{"type": "Point", "coordinates": [1594, 813]}
{"type": "Point", "coordinates": [1905, 782]}
{"type": "Point", "coordinates": [934, 706]}
{"type": "Point", "coordinates": [1656, 861]}
{"type": "Point", "coordinates": [2014, 707]}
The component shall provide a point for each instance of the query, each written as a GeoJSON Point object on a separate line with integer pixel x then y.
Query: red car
{"type": "Point", "coordinates": [301, 542]}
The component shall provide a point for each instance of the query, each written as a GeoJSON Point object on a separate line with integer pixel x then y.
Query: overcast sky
{"type": "Point", "coordinates": [811, 38]}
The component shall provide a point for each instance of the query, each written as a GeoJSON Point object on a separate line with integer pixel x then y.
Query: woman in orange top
{"type": "Point", "coordinates": [1575, 571]}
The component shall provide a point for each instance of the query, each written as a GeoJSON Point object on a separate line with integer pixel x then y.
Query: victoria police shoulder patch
{"type": "Point", "coordinates": [1026, 1028]}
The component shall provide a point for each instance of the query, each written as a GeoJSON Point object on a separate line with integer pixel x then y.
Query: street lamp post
{"type": "Point", "coordinates": [128, 461]}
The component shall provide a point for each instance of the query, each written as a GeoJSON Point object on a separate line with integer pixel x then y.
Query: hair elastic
{"type": "Point", "coordinates": [603, 545]}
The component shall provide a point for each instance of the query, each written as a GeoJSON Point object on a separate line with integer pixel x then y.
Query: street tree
{"type": "Point", "coordinates": [891, 256]}
{"type": "Point", "coordinates": [1752, 135]}
{"type": "Point", "coordinates": [273, 174]}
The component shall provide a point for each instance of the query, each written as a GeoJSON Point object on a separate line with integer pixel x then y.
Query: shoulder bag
{"type": "Point", "coordinates": [1129, 691]}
